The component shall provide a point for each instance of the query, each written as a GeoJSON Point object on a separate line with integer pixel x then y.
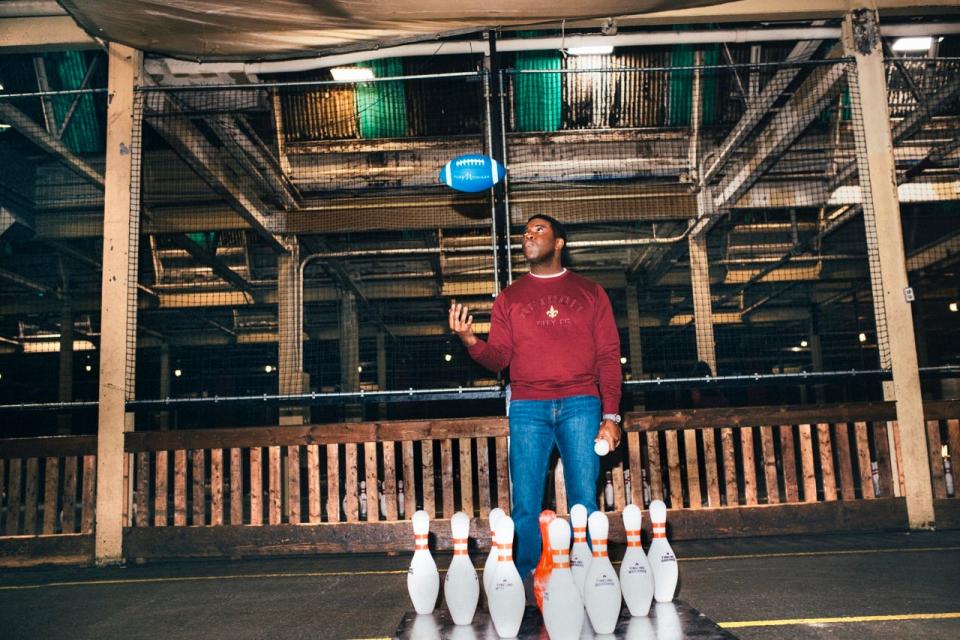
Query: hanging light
{"type": "Point", "coordinates": [352, 74]}
{"type": "Point", "coordinates": [595, 50]}
{"type": "Point", "coordinates": [912, 44]}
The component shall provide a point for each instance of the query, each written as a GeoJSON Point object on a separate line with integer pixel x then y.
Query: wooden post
{"type": "Point", "coordinates": [636, 345]}
{"type": "Point", "coordinates": [881, 215]}
{"type": "Point", "coordinates": [290, 331]}
{"type": "Point", "coordinates": [65, 375]}
{"type": "Point", "coordinates": [121, 212]}
{"type": "Point", "coordinates": [702, 308]}
{"type": "Point", "coordinates": [350, 353]}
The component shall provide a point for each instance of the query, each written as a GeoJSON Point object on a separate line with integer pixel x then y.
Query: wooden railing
{"type": "Point", "coordinates": [730, 471]}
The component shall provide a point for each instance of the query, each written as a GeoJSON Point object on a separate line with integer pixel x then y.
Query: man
{"type": "Point", "coordinates": [556, 331]}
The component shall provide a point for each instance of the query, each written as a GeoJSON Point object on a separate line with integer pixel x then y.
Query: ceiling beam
{"type": "Point", "coordinates": [208, 259]}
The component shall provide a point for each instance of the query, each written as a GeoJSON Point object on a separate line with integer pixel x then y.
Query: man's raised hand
{"type": "Point", "coordinates": [461, 323]}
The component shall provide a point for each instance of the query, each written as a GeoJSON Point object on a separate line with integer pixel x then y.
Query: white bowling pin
{"type": "Point", "coordinates": [491, 564]}
{"type": "Point", "coordinates": [401, 501]}
{"type": "Point", "coordinates": [636, 578]}
{"type": "Point", "coordinates": [580, 554]}
{"type": "Point", "coordinates": [461, 587]}
{"type": "Point", "coordinates": [608, 492]}
{"type": "Point", "coordinates": [562, 604]}
{"type": "Point", "coordinates": [383, 499]}
{"type": "Point", "coordinates": [627, 486]}
{"type": "Point", "coordinates": [363, 499]}
{"type": "Point", "coordinates": [506, 599]}
{"type": "Point", "coordinates": [601, 589]}
{"type": "Point", "coordinates": [423, 579]}
{"type": "Point", "coordinates": [662, 561]}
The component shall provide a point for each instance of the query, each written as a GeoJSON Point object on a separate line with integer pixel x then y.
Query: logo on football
{"type": "Point", "coordinates": [472, 173]}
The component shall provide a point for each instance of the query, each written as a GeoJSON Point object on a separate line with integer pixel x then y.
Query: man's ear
{"type": "Point", "coordinates": [562, 243]}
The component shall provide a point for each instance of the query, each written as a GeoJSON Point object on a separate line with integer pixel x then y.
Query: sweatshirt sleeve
{"type": "Point", "coordinates": [495, 353]}
{"type": "Point", "coordinates": [607, 340]}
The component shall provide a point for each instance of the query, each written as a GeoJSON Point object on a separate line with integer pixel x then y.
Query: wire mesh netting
{"type": "Point", "coordinates": [294, 237]}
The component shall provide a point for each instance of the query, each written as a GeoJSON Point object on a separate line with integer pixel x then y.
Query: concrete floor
{"type": "Point", "coordinates": [789, 583]}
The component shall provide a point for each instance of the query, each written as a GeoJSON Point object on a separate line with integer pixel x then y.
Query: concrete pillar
{"type": "Point", "coordinates": [290, 319]}
{"type": "Point", "coordinates": [888, 274]}
{"type": "Point", "coordinates": [350, 353]}
{"type": "Point", "coordinates": [65, 372]}
{"type": "Point", "coordinates": [702, 308]}
{"type": "Point", "coordinates": [121, 212]}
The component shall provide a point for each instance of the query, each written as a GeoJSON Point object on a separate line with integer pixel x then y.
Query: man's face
{"type": "Point", "coordinates": [539, 243]}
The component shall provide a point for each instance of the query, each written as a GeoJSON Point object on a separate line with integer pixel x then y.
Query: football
{"type": "Point", "coordinates": [472, 173]}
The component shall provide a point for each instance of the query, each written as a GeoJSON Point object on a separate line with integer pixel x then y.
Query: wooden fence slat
{"type": "Point", "coordinates": [466, 476]}
{"type": "Point", "coordinates": [13, 497]}
{"type": "Point", "coordinates": [273, 486]}
{"type": "Point", "coordinates": [636, 468]}
{"type": "Point", "coordinates": [446, 467]}
{"type": "Point", "coordinates": [863, 461]}
{"type": "Point", "coordinates": [953, 440]}
{"type": "Point", "coordinates": [370, 471]}
{"type": "Point", "coordinates": [31, 491]}
{"type": "Point", "coordinates": [710, 467]}
{"type": "Point", "coordinates": [51, 495]}
{"type": "Point", "coordinates": [160, 491]}
{"type": "Point", "coordinates": [806, 464]}
{"type": "Point", "coordinates": [936, 460]}
{"type": "Point", "coordinates": [483, 475]}
{"type": "Point", "coordinates": [199, 481]}
{"type": "Point", "coordinates": [236, 486]}
{"type": "Point", "coordinates": [788, 460]}
{"type": "Point", "coordinates": [842, 442]}
{"type": "Point", "coordinates": [256, 485]}
{"type": "Point", "coordinates": [729, 467]}
{"type": "Point", "coordinates": [827, 474]}
{"type": "Point", "coordinates": [409, 481]}
{"type": "Point", "coordinates": [560, 489]}
{"type": "Point", "coordinates": [180, 488]}
{"type": "Point", "coordinates": [881, 446]}
{"type": "Point", "coordinates": [673, 470]}
{"type": "Point", "coordinates": [390, 480]}
{"type": "Point", "coordinates": [88, 496]}
{"type": "Point", "coordinates": [141, 500]}
{"type": "Point", "coordinates": [503, 475]}
{"type": "Point", "coordinates": [429, 496]}
{"type": "Point", "coordinates": [293, 485]}
{"type": "Point", "coordinates": [769, 465]}
{"type": "Point", "coordinates": [749, 466]}
{"type": "Point", "coordinates": [619, 490]}
{"type": "Point", "coordinates": [333, 482]}
{"type": "Point", "coordinates": [313, 483]}
{"type": "Point", "coordinates": [216, 487]}
{"type": "Point", "coordinates": [653, 459]}
{"type": "Point", "coordinates": [693, 468]}
{"type": "Point", "coordinates": [351, 488]}
{"type": "Point", "coordinates": [68, 522]}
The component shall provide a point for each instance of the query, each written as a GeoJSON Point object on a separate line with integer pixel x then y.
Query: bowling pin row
{"type": "Point", "coordinates": [579, 579]}
{"type": "Point", "coordinates": [382, 498]}
{"type": "Point", "coordinates": [608, 502]}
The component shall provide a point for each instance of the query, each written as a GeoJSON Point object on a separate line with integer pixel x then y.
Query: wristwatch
{"type": "Point", "coordinates": [613, 417]}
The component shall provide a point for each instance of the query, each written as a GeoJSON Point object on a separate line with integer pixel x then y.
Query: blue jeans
{"type": "Point", "coordinates": [535, 426]}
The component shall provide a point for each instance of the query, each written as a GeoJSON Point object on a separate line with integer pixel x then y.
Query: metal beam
{"type": "Point", "coordinates": [210, 260]}
{"type": "Point", "coordinates": [197, 151]}
{"type": "Point", "coordinates": [47, 33]}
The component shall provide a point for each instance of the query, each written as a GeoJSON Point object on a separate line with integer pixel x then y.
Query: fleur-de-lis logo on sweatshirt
{"type": "Point", "coordinates": [552, 312]}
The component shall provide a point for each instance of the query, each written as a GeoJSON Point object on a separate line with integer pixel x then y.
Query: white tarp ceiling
{"type": "Point", "coordinates": [264, 29]}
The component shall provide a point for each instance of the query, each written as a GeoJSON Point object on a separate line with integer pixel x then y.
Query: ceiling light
{"type": "Point", "coordinates": [623, 360]}
{"type": "Point", "coordinates": [803, 343]}
{"type": "Point", "coordinates": [268, 368]}
{"type": "Point", "coordinates": [360, 368]}
{"type": "Point", "coordinates": [912, 44]}
{"type": "Point", "coordinates": [594, 50]}
{"type": "Point", "coordinates": [796, 349]}
{"type": "Point", "coordinates": [862, 337]}
{"type": "Point", "coordinates": [953, 307]}
{"type": "Point", "coordinates": [352, 74]}
{"type": "Point", "coordinates": [88, 368]}
{"type": "Point", "coordinates": [448, 357]}
{"type": "Point", "coordinates": [177, 373]}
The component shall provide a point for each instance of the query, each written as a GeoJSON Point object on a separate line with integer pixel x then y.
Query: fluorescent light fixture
{"type": "Point", "coordinates": [796, 349]}
{"type": "Point", "coordinates": [352, 74]}
{"type": "Point", "coordinates": [912, 44]}
{"type": "Point", "coordinates": [862, 337]}
{"type": "Point", "coordinates": [594, 50]}
{"type": "Point", "coordinates": [47, 346]}
{"type": "Point", "coordinates": [4, 127]}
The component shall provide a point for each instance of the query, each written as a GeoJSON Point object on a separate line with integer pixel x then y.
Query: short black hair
{"type": "Point", "coordinates": [556, 225]}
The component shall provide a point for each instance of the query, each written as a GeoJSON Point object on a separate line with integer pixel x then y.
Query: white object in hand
{"type": "Point", "coordinates": [562, 603]}
{"type": "Point", "coordinates": [423, 579]}
{"type": "Point", "coordinates": [461, 587]}
{"type": "Point", "coordinates": [580, 554]}
{"type": "Point", "coordinates": [601, 589]}
{"type": "Point", "coordinates": [506, 599]}
{"type": "Point", "coordinates": [490, 566]}
{"type": "Point", "coordinates": [636, 578]}
{"type": "Point", "coordinates": [662, 560]}
{"type": "Point", "coordinates": [601, 447]}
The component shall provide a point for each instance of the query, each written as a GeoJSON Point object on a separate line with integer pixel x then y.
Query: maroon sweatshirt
{"type": "Point", "coordinates": [559, 338]}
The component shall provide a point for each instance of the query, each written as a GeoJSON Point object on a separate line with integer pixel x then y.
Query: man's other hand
{"type": "Point", "coordinates": [610, 431]}
{"type": "Point", "coordinates": [461, 323]}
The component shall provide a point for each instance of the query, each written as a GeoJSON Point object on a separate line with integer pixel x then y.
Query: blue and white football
{"type": "Point", "coordinates": [472, 173]}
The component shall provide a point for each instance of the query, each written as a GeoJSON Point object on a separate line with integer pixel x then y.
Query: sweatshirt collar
{"type": "Point", "coordinates": [551, 276]}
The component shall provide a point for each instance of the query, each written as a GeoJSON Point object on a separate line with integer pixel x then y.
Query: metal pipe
{"type": "Point", "coordinates": [642, 39]}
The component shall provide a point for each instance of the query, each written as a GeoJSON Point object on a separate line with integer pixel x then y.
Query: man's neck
{"type": "Point", "coordinates": [552, 268]}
